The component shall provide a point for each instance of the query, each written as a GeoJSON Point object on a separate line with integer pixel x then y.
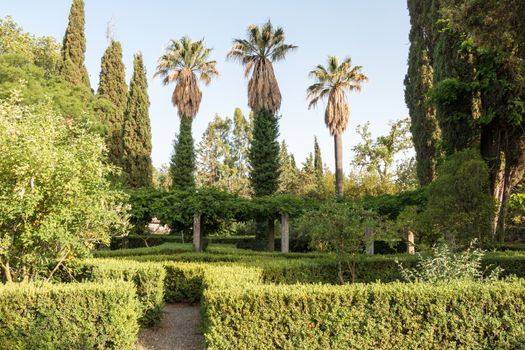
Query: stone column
{"type": "Point", "coordinates": [411, 247]}
{"type": "Point", "coordinates": [285, 234]}
{"type": "Point", "coordinates": [197, 237]}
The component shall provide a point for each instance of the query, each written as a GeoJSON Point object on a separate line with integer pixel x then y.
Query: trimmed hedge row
{"type": "Point", "coordinates": [462, 315]}
{"type": "Point", "coordinates": [68, 316]}
{"type": "Point", "coordinates": [148, 279]}
{"type": "Point", "coordinates": [149, 240]}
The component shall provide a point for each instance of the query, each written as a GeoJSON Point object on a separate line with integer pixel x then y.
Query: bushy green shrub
{"type": "Point", "coordinates": [183, 282]}
{"type": "Point", "coordinates": [68, 316]}
{"type": "Point", "coordinates": [148, 279]}
{"type": "Point", "coordinates": [444, 265]}
{"type": "Point", "coordinates": [464, 315]}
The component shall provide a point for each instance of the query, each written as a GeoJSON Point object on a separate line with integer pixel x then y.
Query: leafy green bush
{"type": "Point", "coordinates": [148, 279]}
{"type": "Point", "coordinates": [459, 206]}
{"type": "Point", "coordinates": [68, 316]}
{"type": "Point", "coordinates": [56, 201]}
{"type": "Point", "coordinates": [444, 265]}
{"type": "Point", "coordinates": [466, 315]}
{"type": "Point", "coordinates": [183, 282]}
{"type": "Point", "coordinates": [340, 227]}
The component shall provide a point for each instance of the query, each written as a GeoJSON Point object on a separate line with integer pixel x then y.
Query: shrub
{"type": "Point", "coordinates": [464, 315]}
{"type": "Point", "coordinates": [56, 202]}
{"type": "Point", "coordinates": [459, 206]}
{"type": "Point", "coordinates": [148, 279]}
{"type": "Point", "coordinates": [183, 282]}
{"type": "Point", "coordinates": [340, 227]}
{"type": "Point", "coordinates": [68, 316]}
{"type": "Point", "coordinates": [443, 265]}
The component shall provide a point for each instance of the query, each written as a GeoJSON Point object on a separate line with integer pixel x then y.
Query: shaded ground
{"type": "Point", "coordinates": [179, 330]}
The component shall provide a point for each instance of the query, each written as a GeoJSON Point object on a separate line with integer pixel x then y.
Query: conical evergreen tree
{"type": "Point", "coordinates": [72, 67]}
{"type": "Point", "coordinates": [112, 87]}
{"type": "Point", "coordinates": [264, 154]}
{"type": "Point", "coordinates": [182, 167]}
{"type": "Point", "coordinates": [137, 131]}
{"type": "Point", "coordinates": [318, 161]}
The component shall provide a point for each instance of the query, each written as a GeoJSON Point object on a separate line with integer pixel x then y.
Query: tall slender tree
{"type": "Point", "coordinates": [113, 88]}
{"type": "Point", "coordinates": [318, 165]}
{"type": "Point", "coordinates": [419, 80]}
{"type": "Point", "coordinates": [263, 46]}
{"type": "Point", "coordinates": [72, 67]}
{"type": "Point", "coordinates": [137, 130]}
{"type": "Point", "coordinates": [332, 82]}
{"type": "Point", "coordinates": [184, 63]}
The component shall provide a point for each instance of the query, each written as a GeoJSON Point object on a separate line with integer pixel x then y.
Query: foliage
{"type": "Point", "coordinates": [112, 88]}
{"type": "Point", "coordinates": [517, 208]}
{"type": "Point", "coordinates": [222, 154]}
{"type": "Point", "coordinates": [264, 45]}
{"type": "Point", "coordinates": [183, 60]}
{"type": "Point", "coordinates": [444, 265]}
{"type": "Point", "coordinates": [137, 131]}
{"type": "Point", "coordinates": [343, 228]}
{"type": "Point", "coordinates": [55, 200]}
{"type": "Point", "coordinates": [68, 316]}
{"type": "Point", "coordinates": [182, 166]}
{"type": "Point", "coordinates": [379, 316]}
{"type": "Point", "coordinates": [288, 172]}
{"type": "Point", "coordinates": [459, 207]}
{"type": "Point", "coordinates": [72, 68]}
{"type": "Point", "coordinates": [378, 156]}
{"type": "Point", "coordinates": [264, 154]}
{"type": "Point", "coordinates": [35, 85]}
{"type": "Point", "coordinates": [42, 51]}
{"type": "Point", "coordinates": [148, 279]}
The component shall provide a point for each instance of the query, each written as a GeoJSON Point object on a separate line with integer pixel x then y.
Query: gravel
{"type": "Point", "coordinates": [178, 330]}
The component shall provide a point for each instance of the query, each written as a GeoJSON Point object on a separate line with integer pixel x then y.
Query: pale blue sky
{"type": "Point", "coordinates": [374, 33]}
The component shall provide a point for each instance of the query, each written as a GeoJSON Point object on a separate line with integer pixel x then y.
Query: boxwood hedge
{"type": "Point", "coordinates": [68, 316]}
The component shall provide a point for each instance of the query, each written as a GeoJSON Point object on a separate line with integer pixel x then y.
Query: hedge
{"type": "Point", "coordinates": [148, 279]}
{"type": "Point", "coordinates": [462, 315]}
{"type": "Point", "coordinates": [68, 316]}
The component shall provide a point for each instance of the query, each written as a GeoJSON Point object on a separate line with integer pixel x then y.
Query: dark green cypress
{"type": "Point", "coordinates": [264, 154]}
{"type": "Point", "coordinates": [182, 165]}
{"type": "Point", "coordinates": [137, 131]}
{"type": "Point", "coordinates": [418, 82]}
{"type": "Point", "coordinates": [318, 162]}
{"type": "Point", "coordinates": [112, 87]}
{"type": "Point", "coordinates": [72, 67]}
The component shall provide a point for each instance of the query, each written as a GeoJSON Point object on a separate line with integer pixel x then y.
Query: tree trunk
{"type": "Point", "coordinates": [197, 236]}
{"type": "Point", "coordinates": [411, 246]}
{"type": "Point", "coordinates": [338, 145]}
{"type": "Point", "coordinates": [270, 235]}
{"type": "Point", "coordinates": [285, 234]}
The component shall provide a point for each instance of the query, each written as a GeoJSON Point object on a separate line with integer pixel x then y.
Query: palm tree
{"type": "Point", "coordinates": [333, 81]}
{"type": "Point", "coordinates": [263, 46]}
{"type": "Point", "coordinates": [184, 63]}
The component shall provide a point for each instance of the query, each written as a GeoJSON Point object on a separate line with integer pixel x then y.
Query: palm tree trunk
{"type": "Point", "coordinates": [338, 143]}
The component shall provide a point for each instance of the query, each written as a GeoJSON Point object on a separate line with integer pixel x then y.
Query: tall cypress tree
{"type": "Point", "coordinates": [112, 87]}
{"type": "Point", "coordinates": [182, 166]}
{"type": "Point", "coordinates": [137, 131]}
{"type": "Point", "coordinates": [264, 154]}
{"type": "Point", "coordinates": [318, 162]}
{"type": "Point", "coordinates": [418, 82]}
{"type": "Point", "coordinates": [72, 68]}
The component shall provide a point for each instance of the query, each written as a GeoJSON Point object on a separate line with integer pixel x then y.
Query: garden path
{"type": "Point", "coordinates": [178, 330]}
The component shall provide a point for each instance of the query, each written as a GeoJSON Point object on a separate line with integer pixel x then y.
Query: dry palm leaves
{"type": "Point", "coordinates": [263, 90]}
{"type": "Point", "coordinates": [337, 112]}
{"type": "Point", "coordinates": [187, 95]}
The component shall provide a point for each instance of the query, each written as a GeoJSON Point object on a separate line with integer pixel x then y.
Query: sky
{"type": "Point", "coordinates": [374, 33]}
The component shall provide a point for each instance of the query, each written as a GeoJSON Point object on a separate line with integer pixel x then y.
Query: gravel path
{"type": "Point", "coordinates": [179, 330]}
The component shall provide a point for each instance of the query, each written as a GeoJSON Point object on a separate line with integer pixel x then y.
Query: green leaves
{"type": "Point", "coordinates": [55, 200]}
